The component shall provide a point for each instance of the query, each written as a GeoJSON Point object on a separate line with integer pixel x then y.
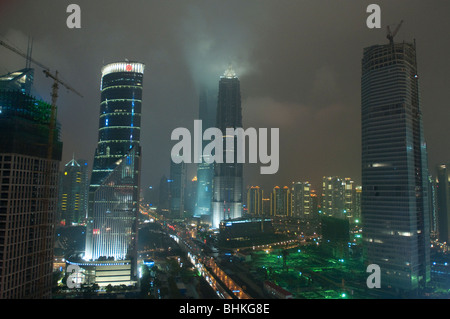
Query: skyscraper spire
{"type": "Point", "coordinates": [230, 73]}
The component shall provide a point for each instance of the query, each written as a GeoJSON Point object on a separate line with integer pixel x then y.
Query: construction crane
{"type": "Point", "coordinates": [26, 56]}
{"type": "Point", "coordinates": [46, 223]}
{"type": "Point", "coordinates": [390, 35]}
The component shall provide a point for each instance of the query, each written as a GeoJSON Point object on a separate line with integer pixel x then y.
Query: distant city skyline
{"type": "Point", "coordinates": [298, 63]}
{"type": "Point", "coordinates": [357, 176]}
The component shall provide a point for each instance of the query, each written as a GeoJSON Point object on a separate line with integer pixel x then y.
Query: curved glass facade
{"type": "Point", "coordinates": [120, 116]}
{"type": "Point", "coordinates": [114, 187]}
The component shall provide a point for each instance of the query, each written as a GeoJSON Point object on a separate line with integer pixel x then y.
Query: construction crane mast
{"type": "Point", "coordinates": [390, 35]}
{"type": "Point", "coordinates": [47, 222]}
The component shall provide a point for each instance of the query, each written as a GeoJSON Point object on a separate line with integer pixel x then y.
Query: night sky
{"type": "Point", "coordinates": [299, 63]}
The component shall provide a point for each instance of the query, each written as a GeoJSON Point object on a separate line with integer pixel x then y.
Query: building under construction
{"type": "Point", "coordinates": [30, 152]}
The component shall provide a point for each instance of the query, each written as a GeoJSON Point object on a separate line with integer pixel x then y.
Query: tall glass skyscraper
{"type": "Point", "coordinates": [394, 199]}
{"type": "Point", "coordinates": [205, 171]}
{"type": "Point", "coordinates": [114, 188]}
{"type": "Point", "coordinates": [227, 197]}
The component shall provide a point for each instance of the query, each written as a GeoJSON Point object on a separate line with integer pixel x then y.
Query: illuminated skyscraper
{"type": "Point", "coordinates": [114, 187]}
{"type": "Point", "coordinates": [205, 171]}
{"type": "Point", "coordinates": [227, 197]}
{"type": "Point", "coordinates": [333, 196]}
{"type": "Point", "coordinates": [339, 197]}
{"type": "Point", "coordinates": [394, 199]}
{"type": "Point", "coordinates": [71, 192]}
{"type": "Point", "coordinates": [301, 200]}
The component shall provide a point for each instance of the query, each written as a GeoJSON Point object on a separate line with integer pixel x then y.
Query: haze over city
{"type": "Point", "coordinates": [298, 63]}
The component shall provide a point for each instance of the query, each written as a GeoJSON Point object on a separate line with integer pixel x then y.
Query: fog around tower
{"type": "Point", "coordinates": [298, 63]}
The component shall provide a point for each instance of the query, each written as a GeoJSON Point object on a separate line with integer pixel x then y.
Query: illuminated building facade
{"type": "Point", "coordinates": [71, 192]}
{"type": "Point", "coordinates": [301, 200]}
{"type": "Point", "coordinates": [105, 272]}
{"type": "Point", "coordinates": [281, 202]}
{"type": "Point", "coordinates": [255, 201]}
{"type": "Point", "coordinates": [114, 223]}
{"type": "Point", "coordinates": [114, 187]}
{"type": "Point", "coordinates": [29, 172]}
{"type": "Point", "coordinates": [227, 197]}
{"type": "Point", "coordinates": [339, 197]}
{"type": "Point", "coordinates": [332, 196]}
{"type": "Point", "coordinates": [205, 171]}
{"type": "Point", "coordinates": [394, 199]}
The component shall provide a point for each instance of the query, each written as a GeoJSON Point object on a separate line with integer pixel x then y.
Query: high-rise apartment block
{"type": "Point", "coordinates": [281, 202]}
{"type": "Point", "coordinates": [255, 197]}
{"type": "Point", "coordinates": [301, 200]}
{"type": "Point", "coordinates": [339, 197]}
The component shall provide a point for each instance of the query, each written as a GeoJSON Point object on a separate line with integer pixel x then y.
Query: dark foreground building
{"type": "Point", "coordinates": [29, 163]}
{"type": "Point", "coordinates": [245, 232]}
